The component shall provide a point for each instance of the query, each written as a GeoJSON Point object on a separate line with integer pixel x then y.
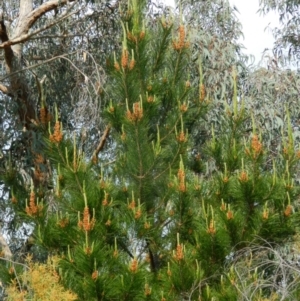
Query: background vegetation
{"type": "Point", "coordinates": [142, 158]}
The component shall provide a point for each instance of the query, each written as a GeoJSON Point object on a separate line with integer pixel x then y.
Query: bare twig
{"type": "Point", "coordinates": [5, 90]}
{"type": "Point", "coordinates": [277, 273]}
{"type": "Point", "coordinates": [38, 64]}
{"type": "Point", "coordinates": [101, 143]}
{"type": "Point", "coordinates": [5, 248]}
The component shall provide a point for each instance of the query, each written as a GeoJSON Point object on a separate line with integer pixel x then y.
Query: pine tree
{"type": "Point", "coordinates": [151, 219]}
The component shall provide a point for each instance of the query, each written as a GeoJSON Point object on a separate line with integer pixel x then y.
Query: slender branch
{"type": "Point", "coordinates": [5, 248]}
{"type": "Point", "coordinates": [65, 36]}
{"type": "Point", "coordinates": [37, 65]}
{"type": "Point", "coordinates": [101, 143]}
{"type": "Point", "coordinates": [5, 90]}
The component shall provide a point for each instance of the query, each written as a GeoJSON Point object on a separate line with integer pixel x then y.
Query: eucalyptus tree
{"type": "Point", "coordinates": [287, 44]}
{"type": "Point", "coordinates": [51, 53]}
{"type": "Point", "coordinates": [215, 37]}
{"type": "Point", "coordinates": [60, 41]}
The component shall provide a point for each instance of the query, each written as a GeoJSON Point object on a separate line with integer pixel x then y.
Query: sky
{"type": "Point", "coordinates": [256, 36]}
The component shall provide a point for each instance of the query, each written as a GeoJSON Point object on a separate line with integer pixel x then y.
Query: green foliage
{"type": "Point", "coordinates": [163, 216]}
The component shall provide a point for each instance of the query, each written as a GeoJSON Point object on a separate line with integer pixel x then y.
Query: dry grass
{"type": "Point", "coordinates": [39, 282]}
{"type": "Point", "coordinates": [266, 272]}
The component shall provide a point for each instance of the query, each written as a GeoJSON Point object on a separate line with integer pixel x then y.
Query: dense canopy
{"type": "Point", "coordinates": [142, 157]}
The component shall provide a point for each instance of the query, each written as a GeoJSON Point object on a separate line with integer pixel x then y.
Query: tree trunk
{"type": "Point", "coordinates": [18, 88]}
